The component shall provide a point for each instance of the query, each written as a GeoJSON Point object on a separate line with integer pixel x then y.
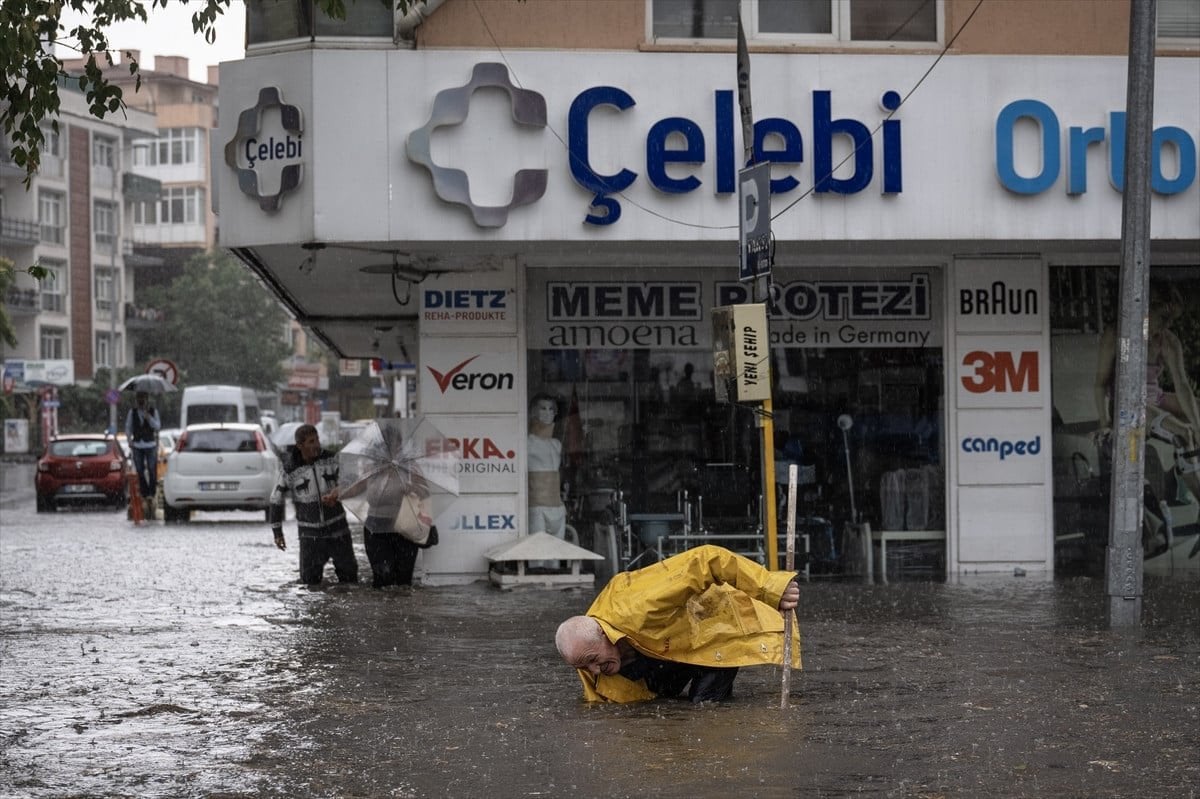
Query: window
{"type": "Point", "coordinates": [818, 20]}
{"type": "Point", "coordinates": [145, 213]}
{"type": "Point", "coordinates": [1178, 19]}
{"type": "Point", "coordinates": [52, 286]}
{"type": "Point", "coordinates": [108, 346]}
{"type": "Point", "coordinates": [174, 146]}
{"type": "Point", "coordinates": [52, 216]}
{"type": "Point", "coordinates": [53, 343]}
{"type": "Point", "coordinates": [104, 151]}
{"type": "Point", "coordinates": [181, 206]}
{"type": "Point", "coordinates": [280, 20]}
{"type": "Point", "coordinates": [105, 289]}
{"type": "Point", "coordinates": [104, 222]}
{"type": "Point", "coordinates": [51, 144]}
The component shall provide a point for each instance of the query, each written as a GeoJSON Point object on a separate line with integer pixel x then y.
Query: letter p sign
{"type": "Point", "coordinates": [754, 222]}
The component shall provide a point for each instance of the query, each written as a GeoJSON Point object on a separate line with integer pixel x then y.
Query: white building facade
{"type": "Point", "coordinates": [501, 225]}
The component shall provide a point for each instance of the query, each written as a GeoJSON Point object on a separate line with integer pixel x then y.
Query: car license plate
{"type": "Point", "coordinates": [78, 488]}
{"type": "Point", "coordinates": [218, 486]}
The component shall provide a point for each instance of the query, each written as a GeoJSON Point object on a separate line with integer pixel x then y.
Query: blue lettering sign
{"type": "Point", "coordinates": [1079, 141]}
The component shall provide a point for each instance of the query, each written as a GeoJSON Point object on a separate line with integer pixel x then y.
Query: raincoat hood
{"type": "Point", "coordinates": [706, 607]}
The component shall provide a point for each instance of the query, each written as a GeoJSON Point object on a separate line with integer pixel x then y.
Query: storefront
{"type": "Point", "coordinates": [943, 271]}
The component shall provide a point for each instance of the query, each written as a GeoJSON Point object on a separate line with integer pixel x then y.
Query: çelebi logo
{"type": "Point", "coordinates": [455, 378]}
{"type": "Point", "coordinates": [450, 107]}
{"type": "Point", "coordinates": [248, 153]}
{"type": "Point", "coordinates": [999, 372]}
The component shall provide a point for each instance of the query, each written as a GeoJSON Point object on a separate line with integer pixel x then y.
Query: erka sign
{"type": "Point", "coordinates": [1000, 372]}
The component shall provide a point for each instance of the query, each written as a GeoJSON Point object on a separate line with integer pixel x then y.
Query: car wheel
{"type": "Point", "coordinates": [174, 515]}
{"type": "Point", "coordinates": [45, 505]}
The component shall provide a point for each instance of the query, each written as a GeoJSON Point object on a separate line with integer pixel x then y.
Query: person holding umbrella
{"type": "Point", "coordinates": [141, 431]}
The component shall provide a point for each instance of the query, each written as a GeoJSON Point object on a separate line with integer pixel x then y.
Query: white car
{"type": "Point", "coordinates": [219, 467]}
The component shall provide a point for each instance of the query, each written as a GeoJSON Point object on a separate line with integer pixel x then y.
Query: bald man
{"type": "Point", "coordinates": [682, 626]}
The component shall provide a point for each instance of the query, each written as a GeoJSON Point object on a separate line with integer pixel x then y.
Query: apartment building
{"type": "Point", "coordinates": [74, 321]}
{"type": "Point", "coordinates": [546, 198]}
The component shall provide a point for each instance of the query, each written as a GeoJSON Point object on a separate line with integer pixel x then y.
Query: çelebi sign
{"type": "Point", "coordinates": [741, 359]}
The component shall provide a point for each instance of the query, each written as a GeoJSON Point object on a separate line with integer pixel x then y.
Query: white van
{"type": "Point", "coordinates": [216, 404]}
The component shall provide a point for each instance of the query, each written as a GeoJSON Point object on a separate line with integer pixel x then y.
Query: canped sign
{"type": "Point", "coordinates": [468, 375]}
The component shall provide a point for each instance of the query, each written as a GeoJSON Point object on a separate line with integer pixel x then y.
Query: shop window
{"type": "Point", "coordinates": [1084, 309]}
{"type": "Point", "coordinates": [635, 408]}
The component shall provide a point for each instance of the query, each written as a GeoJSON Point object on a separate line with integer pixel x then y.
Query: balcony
{"type": "Point", "coordinates": [20, 232]}
{"type": "Point", "coordinates": [137, 318]}
{"type": "Point", "coordinates": [22, 302]}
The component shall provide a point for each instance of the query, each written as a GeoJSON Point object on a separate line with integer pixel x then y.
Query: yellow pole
{"type": "Point", "coordinates": [767, 423]}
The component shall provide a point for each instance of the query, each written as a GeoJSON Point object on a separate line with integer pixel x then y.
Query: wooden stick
{"type": "Point", "coordinates": [790, 565]}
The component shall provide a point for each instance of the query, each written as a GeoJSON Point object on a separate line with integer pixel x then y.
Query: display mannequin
{"type": "Point", "coordinates": [547, 514]}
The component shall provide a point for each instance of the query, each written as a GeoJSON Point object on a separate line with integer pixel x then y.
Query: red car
{"type": "Point", "coordinates": [81, 468]}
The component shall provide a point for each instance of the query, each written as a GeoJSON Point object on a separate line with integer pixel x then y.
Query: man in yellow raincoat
{"type": "Point", "coordinates": [688, 622]}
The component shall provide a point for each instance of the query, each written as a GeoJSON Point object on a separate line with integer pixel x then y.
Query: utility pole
{"type": "Point", "coordinates": [112, 301]}
{"type": "Point", "coordinates": [1124, 556]}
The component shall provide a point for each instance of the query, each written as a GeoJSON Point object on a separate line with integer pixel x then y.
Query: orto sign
{"type": "Point", "coordinates": [268, 160]}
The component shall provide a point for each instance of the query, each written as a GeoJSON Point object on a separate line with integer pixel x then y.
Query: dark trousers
{"type": "Point", "coordinates": [145, 462]}
{"type": "Point", "coordinates": [392, 558]}
{"type": "Point", "coordinates": [667, 679]}
{"type": "Point", "coordinates": [316, 552]}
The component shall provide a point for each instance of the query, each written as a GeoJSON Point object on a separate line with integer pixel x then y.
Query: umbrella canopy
{"type": "Point", "coordinates": [149, 384]}
{"type": "Point", "coordinates": [390, 459]}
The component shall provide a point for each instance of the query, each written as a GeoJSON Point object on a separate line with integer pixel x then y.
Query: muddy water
{"type": "Point", "coordinates": [182, 662]}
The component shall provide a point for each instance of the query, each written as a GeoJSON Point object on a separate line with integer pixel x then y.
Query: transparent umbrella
{"type": "Point", "coordinates": [398, 475]}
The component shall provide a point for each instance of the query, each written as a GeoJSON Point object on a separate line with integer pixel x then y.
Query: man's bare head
{"type": "Point", "coordinates": [583, 644]}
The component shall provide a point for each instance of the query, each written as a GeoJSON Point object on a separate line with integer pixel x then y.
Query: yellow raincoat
{"type": "Point", "coordinates": [706, 607]}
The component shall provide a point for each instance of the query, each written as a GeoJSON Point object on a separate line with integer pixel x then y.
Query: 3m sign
{"type": "Point", "coordinates": [1001, 372]}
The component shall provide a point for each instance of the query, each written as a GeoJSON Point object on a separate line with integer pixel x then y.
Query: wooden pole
{"type": "Point", "coordinates": [790, 564]}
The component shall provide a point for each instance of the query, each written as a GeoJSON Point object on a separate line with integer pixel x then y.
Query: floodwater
{"type": "Point", "coordinates": [183, 661]}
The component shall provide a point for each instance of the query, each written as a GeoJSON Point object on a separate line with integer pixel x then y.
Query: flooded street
{"type": "Point", "coordinates": [184, 661]}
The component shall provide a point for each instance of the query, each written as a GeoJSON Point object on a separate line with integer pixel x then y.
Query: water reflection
{"type": "Point", "coordinates": [185, 662]}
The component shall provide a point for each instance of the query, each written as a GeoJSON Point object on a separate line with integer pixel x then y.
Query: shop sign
{"type": "Point", "coordinates": [1049, 147]}
{"type": "Point", "coordinates": [998, 295]}
{"type": "Point", "coordinates": [1003, 447]}
{"type": "Point", "coordinates": [23, 375]}
{"type": "Point", "coordinates": [1000, 372]}
{"type": "Point", "coordinates": [478, 303]}
{"type": "Point", "coordinates": [487, 448]}
{"type": "Point", "coordinates": [480, 514]}
{"type": "Point", "coordinates": [464, 375]}
{"type": "Point", "coordinates": [268, 159]}
{"type": "Point", "coordinates": [877, 308]}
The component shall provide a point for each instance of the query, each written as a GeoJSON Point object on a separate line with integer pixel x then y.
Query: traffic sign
{"type": "Point", "coordinates": [165, 369]}
{"type": "Point", "coordinates": [754, 222]}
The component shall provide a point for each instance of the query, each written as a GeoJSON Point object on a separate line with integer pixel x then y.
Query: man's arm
{"type": "Point", "coordinates": [275, 510]}
{"type": "Point", "coordinates": [155, 421]}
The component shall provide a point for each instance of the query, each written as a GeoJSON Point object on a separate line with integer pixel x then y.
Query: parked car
{"type": "Point", "coordinates": [166, 445]}
{"type": "Point", "coordinates": [219, 467]}
{"type": "Point", "coordinates": [82, 468]}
